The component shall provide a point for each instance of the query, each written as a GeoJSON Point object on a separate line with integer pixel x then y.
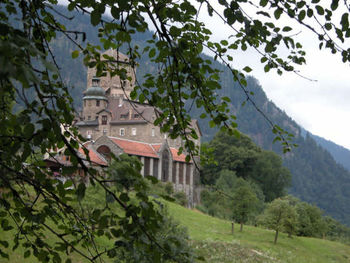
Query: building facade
{"type": "Point", "coordinates": [115, 124]}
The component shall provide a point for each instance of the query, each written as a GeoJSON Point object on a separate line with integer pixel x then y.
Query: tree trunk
{"type": "Point", "coordinates": [241, 227]}
{"type": "Point", "coordinates": [232, 227]}
{"type": "Point", "coordinates": [276, 236]}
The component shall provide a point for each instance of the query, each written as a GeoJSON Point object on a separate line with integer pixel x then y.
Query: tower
{"type": "Point", "coordinates": [95, 100]}
{"type": "Point", "coordinates": [115, 86]}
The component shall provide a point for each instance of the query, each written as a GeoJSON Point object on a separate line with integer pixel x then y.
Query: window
{"type": "Point", "coordinates": [124, 116]}
{"type": "Point", "coordinates": [153, 132]}
{"type": "Point", "coordinates": [88, 134]}
{"type": "Point", "coordinates": [122, 132]}
{"type": "Point", "coordinates": [89, 118]}
{"type": "Point", "coordinates": [97, 103]}
{"type": "Point", "coordinates": [84, 103]}
{"type": "Point", "coordinates": [96, 118]}
{"type": "Point", "coordinates": [104, 120]}
{"type": "Point", "coordinates": [133, 131]}
{"type": "Point", "coordinates": [136, 115]}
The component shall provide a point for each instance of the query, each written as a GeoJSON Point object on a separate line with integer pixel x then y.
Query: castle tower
{"type": "Point", "coordinates": [95, 100]}
{"type": "Point", "coordinates": [115, 86]}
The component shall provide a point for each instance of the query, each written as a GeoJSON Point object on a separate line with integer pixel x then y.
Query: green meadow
{"type": "Point", "coordinates": [212, 240]}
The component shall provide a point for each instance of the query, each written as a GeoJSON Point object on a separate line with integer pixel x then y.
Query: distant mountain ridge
{"type": "Point", "coordinates": [340, 154]}
{"type": "Point", "coordinates": [317, 178]}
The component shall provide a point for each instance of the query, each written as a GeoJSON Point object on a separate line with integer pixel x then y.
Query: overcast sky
{"type": "Point", "coordinates": [322, 107]}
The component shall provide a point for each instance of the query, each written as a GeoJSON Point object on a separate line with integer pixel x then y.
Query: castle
{"type": "Point", "coordinates": [114, 124]}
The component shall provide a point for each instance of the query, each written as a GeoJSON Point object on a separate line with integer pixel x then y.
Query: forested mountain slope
{"type": "Point", "coordinates": [316, 177]}
{"type": "Point", "coordinates": [339, 153]}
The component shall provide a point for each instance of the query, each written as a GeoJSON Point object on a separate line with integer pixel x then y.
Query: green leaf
{"type": "Point", "coordinates": [267, 68]}
{"type": "Point", "coordinates": [247, 69]}
{"type": "Point", "coordinates": [75, 54]}
{"type": "Point", "coordinates": [310, 12]}
{"type": "Point", "coordinates": [263, 59]}
{"type": "Point", "coordinates": [152, 53]}
{"type": "Point", "coordinates": [26, 253]}
{"type": "Point", "coordinates": [263, 3]}
{"type": "Point", "coordinates": [345, 21]}
{"type": "Point", "coordinates": [328, 26]}
{"type": "Point", "coordinates": [95, 17]}
{"type": "Point", "coordinates": [320, 10]}
{"type": "Point", "coordinates": [175, 31]}
{"type": "Point", "coordinates": [287, 29]}
{"type": "Point", "coordinates": [224, 42]}
{"type": "Point", "coordinates": [334, 4]}
{"type": "Point", "coordinates": [278, 13]}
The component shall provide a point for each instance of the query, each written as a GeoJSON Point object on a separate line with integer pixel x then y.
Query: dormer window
{"type": "Point", "coordinates": [95, 82]}
{"type": "Point", "coordinates": [124, 116]}
{"type": "Point", "coordinates": [97, 103]}
{"type": "Point", "coordinates": [136, 115]}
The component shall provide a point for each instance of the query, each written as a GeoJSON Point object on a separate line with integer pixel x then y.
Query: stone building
{"type": "Point", "coordinates": [115, 124]}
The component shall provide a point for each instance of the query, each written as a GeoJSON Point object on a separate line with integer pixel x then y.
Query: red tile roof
{"type": "Point", "coordinates": [95, 158]}
{"type": "Point", "coordinates": [176, 157]}
{"type": "Point", "coordinates": [145, 149]}
{"type": "Point", "coordinates": [135, 148]}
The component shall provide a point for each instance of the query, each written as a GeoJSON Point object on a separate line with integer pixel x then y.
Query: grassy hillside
{"type": "Point", "coordinates": [211, 237]}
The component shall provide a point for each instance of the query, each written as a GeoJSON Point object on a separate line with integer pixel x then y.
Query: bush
{"type": "Point", "coordinates": [180, 198]}
{"type": "Point", "coordinates": [169, 188]}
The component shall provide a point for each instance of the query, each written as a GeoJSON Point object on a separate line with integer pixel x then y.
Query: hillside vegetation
{"type": "Point", "coordinates": [212, 239]}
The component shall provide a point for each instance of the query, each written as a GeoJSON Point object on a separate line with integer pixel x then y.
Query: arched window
{"type": "Point", "coordinates": [105, 152]}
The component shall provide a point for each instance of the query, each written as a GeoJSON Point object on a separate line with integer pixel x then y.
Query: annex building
{"type": "Point", "coordinates": [112, 123]}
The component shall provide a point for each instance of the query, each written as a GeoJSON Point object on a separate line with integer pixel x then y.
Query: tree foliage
{"type": "Point", "coordinates": [280, 215]}
{"type": "Point", "coordinates": [33, 201]}
{"type": "Point", "coordinates": [244, 202]}
{"type": "Point", "coordinates": [233, 198]}
{"type": "Point", "coordinates": [248, 161]}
